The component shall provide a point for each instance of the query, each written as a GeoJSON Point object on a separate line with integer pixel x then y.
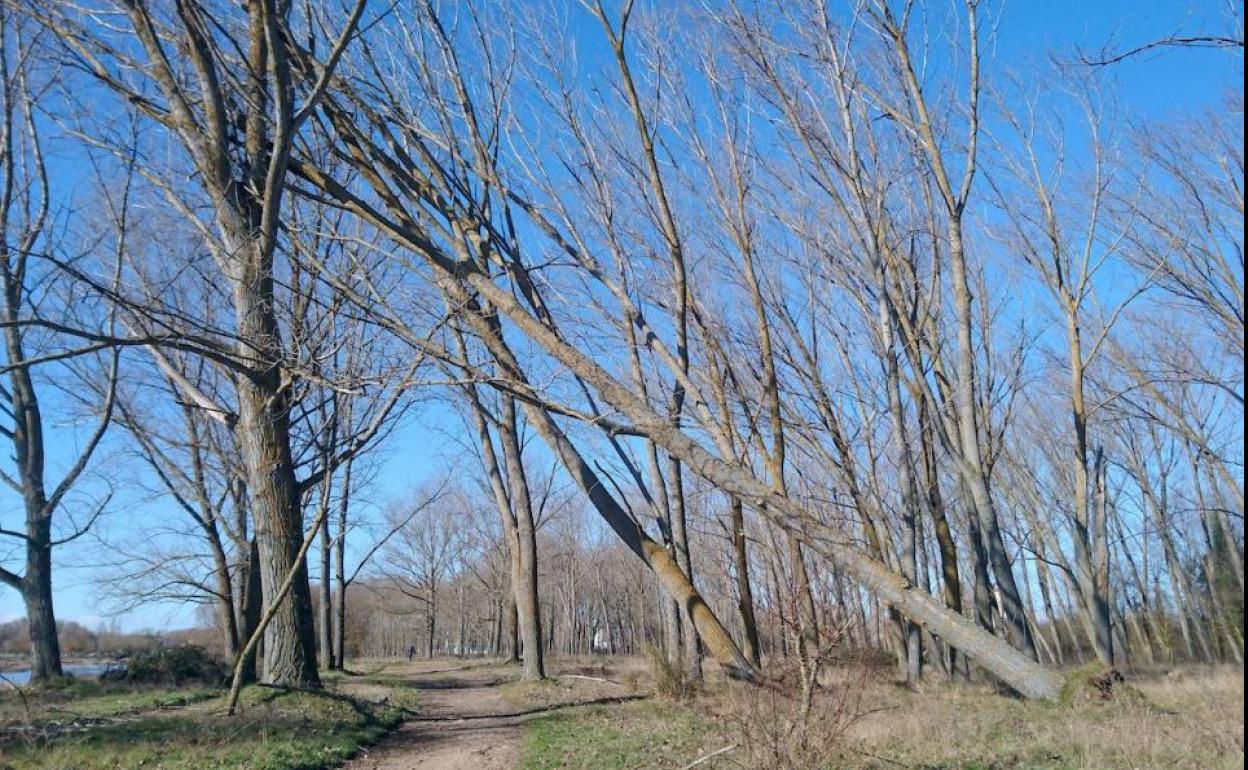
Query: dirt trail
{"type": "Point", "coordinates": [463, 724]}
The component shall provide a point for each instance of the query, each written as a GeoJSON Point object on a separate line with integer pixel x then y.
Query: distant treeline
{"type": "Point", "coordinates": [77, 639]}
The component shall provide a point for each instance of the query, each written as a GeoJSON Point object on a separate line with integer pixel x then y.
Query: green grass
{"type": "Point", "coordinates": [90, 699]}
{"type": "Point", "coordinates": [129, 703]}
{"type": "Point", "coordinates": [630, 736]}
{"type": "Point", "coordinates": [276, 730]}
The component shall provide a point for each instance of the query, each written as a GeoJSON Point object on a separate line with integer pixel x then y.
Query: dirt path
{"type": "Point", "coordinates": [463, 724]}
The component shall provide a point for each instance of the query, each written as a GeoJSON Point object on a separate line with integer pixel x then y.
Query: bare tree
{"type": "Point", "coordinates": [235, 103]}
{"type": "Point", "coordinates": [34, 308]}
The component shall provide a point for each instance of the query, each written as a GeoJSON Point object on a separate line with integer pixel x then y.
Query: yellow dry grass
{"type": "Point", "coordinates": [1191, 720]}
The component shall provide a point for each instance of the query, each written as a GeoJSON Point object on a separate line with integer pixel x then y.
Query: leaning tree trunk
{"type": "Point", "coordinates": [660, 560]}
{"type": "Point", "coordinates": [1017, 669]}
{"type": "Point", "coordinates": [717, 639]}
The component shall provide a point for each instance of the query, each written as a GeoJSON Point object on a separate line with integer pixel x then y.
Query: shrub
{"type": "Point", "coordinates": [782, 726]}
{"type": "Point", "coordinates": [669, 680]}
{"type": "Point", "coordinates": [176, 666]}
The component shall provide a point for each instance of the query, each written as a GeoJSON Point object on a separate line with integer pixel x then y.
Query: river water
{"type": "Point", "coordinates": [22, 677]}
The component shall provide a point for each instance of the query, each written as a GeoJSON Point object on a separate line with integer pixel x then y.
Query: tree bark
{"type": "Point", "coordinates": [340, 571]}
{"type": "Point", "coordinates": [325, 609]}
{"type": "Point", "coordinates": [513, 627]}
{"type": "Point", "coordinates": [951, 580]}
{"type": "Point", "coordinates": [745, 590]}
{"type": "Point", "coordinates": [290, 639]}
{"type": "Point", "coordinates": [250, 609]}
{"type": "Point", "coordinates": [45, 646]}
{"type": "Point", "coordinates": [528, 607]}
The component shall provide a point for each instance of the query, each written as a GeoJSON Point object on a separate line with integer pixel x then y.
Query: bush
{"type": "Point", "coordinates": [1096, 682]}
{"type": "Point", "coordinates": [176, 666]}
{"type": "Point", "coordinates": [669, 680]}
{"type": "Point", "coordinates": [775, 728]}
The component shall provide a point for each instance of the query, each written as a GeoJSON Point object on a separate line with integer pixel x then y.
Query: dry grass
{"type": "Point", "coordinates": [578, 681]}
{"type": "Point", "coordinates": [1191, 720]}
{"type": "Point", "coordinates": [1195, 721]}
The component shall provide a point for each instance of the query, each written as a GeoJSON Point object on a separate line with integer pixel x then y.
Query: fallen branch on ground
{"type": "Point", "coordinates": [590, 678]}
{"type": "Point", "coordinates": [707, 757]}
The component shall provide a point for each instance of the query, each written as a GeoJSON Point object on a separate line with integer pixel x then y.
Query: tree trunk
{"type": "Point", "coordinates": [528, 608]}
{"type": "Point", "coordinates": [264, 435]}
{"type": "Point", "coordinates": [690, 645]}
{"type": "Point", "coordinates": [250, 608]}
{"type": "Point", "coordinates": [290, 639]}
{"type": "Point", "coordinates": [912, 655]}
{"type": "Point", "coordinates": [1019, 671]}
{"type": "Point", "coordinates": [325, 588]}
{"type": "Point", "coordinates": [745, 593]}
{"type": "Point", "coordinates": [340, 571]}
{"type": "Point", "coordinates": [513, 627]}
{"type": "Point", "coordinates": [984, 607]}
{"type": "Point", "coordinates": [951, 580]}
{"type": "Point", "coordinates": [969, 444]}
{"type": "Point", "coordinates": [673, 640]}
{"type": "Point", "coordinates": [1046, 596]}
{"type": "Point", "coordinates": [733, 478]}
{"type": "Point", "coordinates": [45, 646]}
{"type": "Point", "coordinates": [1088, 535]}
{"type": "Point", "coordinates": [227, 615]}
{"type": "Point", "coordinates": [35, 585]}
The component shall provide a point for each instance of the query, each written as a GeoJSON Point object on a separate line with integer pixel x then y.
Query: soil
{"type": "Point", "coordinates": [463, 724]}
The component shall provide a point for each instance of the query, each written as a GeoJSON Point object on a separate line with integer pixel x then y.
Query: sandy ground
{"type": "Point", "coordinates": [463, 723]}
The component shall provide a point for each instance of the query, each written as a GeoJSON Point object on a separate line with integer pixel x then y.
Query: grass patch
{"type": "Point", "coordinates": [91, 699]}
{"type": "Point", "coordinates": [1192, 722]}
{"type": "Point", "coordinates": [630, 736]}
{"type": "Point", "coordinates": [563, 691]}
{"type": "Point", "coordinates": [116, 704]}
{"type": "Point", "coordinates": [546, 692]}
{"type": "Point", "coordinates": [276, 730]}
{"type": "Point", "coordinates": [1196, 723]}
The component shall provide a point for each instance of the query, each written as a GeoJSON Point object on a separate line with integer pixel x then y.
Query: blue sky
{"type": "Point", "coordinates": [1157, 86]}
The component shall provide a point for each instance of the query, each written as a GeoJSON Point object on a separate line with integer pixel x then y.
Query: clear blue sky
{"type": "Point", "coordinates": [1161, 85]}
{"type": "Point", "coordinates": [1154, 85]}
